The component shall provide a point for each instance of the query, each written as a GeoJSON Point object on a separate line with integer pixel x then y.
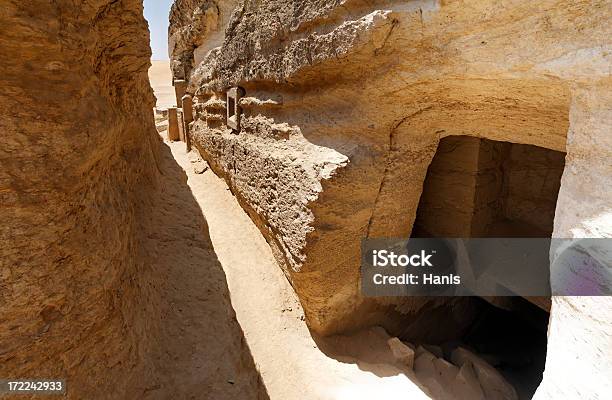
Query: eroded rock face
{"type": "Point", "coordinates": [197, 26]}
{"type": "Point", "coordinates": [347, 101]}
{"type": "Point", "coordinates": [580, 328]}
{"type": "Point", "coordinates": [78, 148]}
{"type": "Point", "coordinates": [89, 241]}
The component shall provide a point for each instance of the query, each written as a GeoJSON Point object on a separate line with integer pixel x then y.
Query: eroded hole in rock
{"type": "Point", "coordinates": [231, 104]}
{"type": "Point", "coordinates": [233, 109]}
{"type": "Point", "coordinates": [484, 188]}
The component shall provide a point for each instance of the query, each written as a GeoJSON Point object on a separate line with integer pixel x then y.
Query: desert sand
{"type": "Point", "coordinates": [291, 363]}
{"type": "Point", "coordinates": [161, 82]}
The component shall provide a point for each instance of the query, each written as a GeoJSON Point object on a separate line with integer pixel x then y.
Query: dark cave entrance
{"type": "Point", "coordinates": [484, 188]}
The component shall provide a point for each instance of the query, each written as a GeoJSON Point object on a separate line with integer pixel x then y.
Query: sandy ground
{"type": "Point", "coordinates": [290, 361]}
{"type": "Point", "coordinates": [199, 350]}
{"type": "Point", "coordinates": [161, 82]}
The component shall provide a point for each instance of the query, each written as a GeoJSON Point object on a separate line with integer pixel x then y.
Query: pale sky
{"type": "Point", "coordinates": [156, 12]}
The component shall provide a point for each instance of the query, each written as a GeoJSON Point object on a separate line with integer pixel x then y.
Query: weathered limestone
{"type": "Point", "coordinates": [361, 147]}
{"type": "Point", "coordinates": [493, 384]}
{"type": "Point", "coordinates": [173, 124]}
{"type": "Point", "coordinates": [187, 105]}
{"type": "Point", "coordinates": [466, 384]}
{"type": "Point", "coordinates": [78, 159]}
{"type": "Point", "coordinates": [206, 21]}
{"type": "Point", "coordinates": [401, 352]}
{"type": "Point", "coordinates": [108, 278]}
{"type": "Point", "coordinates": [348, 102]}
{"type": "Point", "coordinates": [580, 341]}
{"type": "Point", "coordinates": [179, 90]}
{"type": "Point", "coordinates": [181, 125]}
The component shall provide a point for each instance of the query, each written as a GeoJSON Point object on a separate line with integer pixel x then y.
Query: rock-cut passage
{"type": "Point", "coordinates": [484, 188]}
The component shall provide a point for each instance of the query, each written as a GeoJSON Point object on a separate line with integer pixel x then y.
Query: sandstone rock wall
{"type": "Point", "coordinates": [350, 99]}
{"type": "Point", "coordinates": [197, 27]}
{"type": "Point", "coordinates": [88, 241]}
{"type": "Point", "coordinates": [346, 102]}
{"type": "Point", "coordinates": [78, 148]}
{"type": "Point", "coordinates": [580, 327]}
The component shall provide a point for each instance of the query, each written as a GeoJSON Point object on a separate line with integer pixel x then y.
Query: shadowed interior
{"type": "Point", "coordinates": [483, 188]}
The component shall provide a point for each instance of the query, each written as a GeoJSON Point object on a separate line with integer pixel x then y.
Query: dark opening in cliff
{"type": "Point", "coordinates": [483, 188]}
